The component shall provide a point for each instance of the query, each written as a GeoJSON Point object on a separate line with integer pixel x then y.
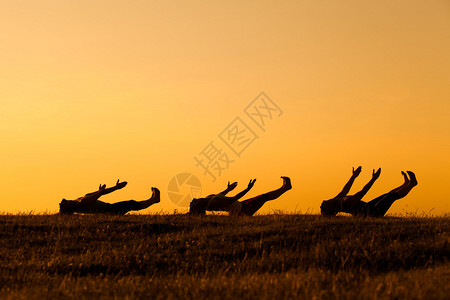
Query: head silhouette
{"type": "Point", "coordinates": [328, 208]}
{"type": "Point", "coordinates": [67, 206]}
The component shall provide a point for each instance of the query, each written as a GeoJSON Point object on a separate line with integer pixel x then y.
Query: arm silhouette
{"type": "Point", "coordinates": [229, 188]}
{"type": "Point", "coordinates": [229, 200]}
{"type": "Point", "coordinates": [119, 185]}
{"type": "Point", "coordinates": [353, 200]}
{"type": "Point", "coordinates": [102, 190]}
{"type": "Point", "coordinates": [349, 184]}
{"type": "Point", "coordinates": [249, 187]}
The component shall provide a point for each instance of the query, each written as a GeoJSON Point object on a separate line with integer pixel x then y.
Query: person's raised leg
{"type": "Point", "coordinates": [251, 206]}
{"type": "Point", "coordinates": [131, 205]}
{"type": "Point", "coordinates": [412, 183]}
{"type": "Point", "coordinates": [405, 183]}
{"type": "Point", "coordinates": [380, 205]}
{"type": "Point", "coordinates": [155, 198]}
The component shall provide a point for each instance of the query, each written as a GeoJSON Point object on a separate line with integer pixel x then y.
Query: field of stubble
{"type": "Point", "coordinates": [217, 257]}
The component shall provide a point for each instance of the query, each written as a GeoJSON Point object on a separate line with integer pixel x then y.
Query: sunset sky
{"type": "Point", "coordinates": [95, 91]}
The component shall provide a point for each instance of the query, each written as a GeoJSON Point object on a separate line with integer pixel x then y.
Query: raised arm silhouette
{"type": "Point", "coordinates": [89, 203]}
{"type": "Point", "coordinates": [377, 207]}
{"type": "Point", "coordinates": [220, 202]}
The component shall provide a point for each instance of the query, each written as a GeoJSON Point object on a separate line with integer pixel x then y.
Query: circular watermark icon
{"type": "Point", "coordinates": [183, 188]}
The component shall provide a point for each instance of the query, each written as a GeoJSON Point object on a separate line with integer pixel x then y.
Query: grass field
{"type": "Point", "coordinates": [216, 257]}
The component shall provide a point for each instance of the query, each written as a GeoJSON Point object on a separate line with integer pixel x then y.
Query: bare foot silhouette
{"type": "Point", "coordinates": [406, 177]}
{"type": "Point", "coordinates": [412, 178]}
{"type": "Point", "coordinates": [286, 182]}
{"type": "Point", "coordinates": [156, 195]}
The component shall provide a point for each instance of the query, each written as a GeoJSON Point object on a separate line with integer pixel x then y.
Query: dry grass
{"type": "Point", "coordinates": [216, 257]}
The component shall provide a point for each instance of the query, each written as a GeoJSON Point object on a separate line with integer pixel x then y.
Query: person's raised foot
{"type": "Point", "coordinates": [286, 182]}
{"type": "Point", "coordinates": [412, 178]}
{"type": "Point", "coordinates": [156, 195]}
{"type": "Point", "coordinates": [406, 178]}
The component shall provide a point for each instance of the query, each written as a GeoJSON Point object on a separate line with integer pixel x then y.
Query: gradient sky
{"type": "Point", "coordinates": [93, 91]}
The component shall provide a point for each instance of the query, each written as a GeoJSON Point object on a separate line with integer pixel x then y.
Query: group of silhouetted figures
{"type": "Point", "coordinates": [352, 204]}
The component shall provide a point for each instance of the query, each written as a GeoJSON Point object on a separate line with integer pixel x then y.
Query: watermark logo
{"type": "Point", "coordinates": [183, 188]}
{"type": "Point", "coordinates": [238, 136]}
{"type": "Point", "coordinates": [214, 160]}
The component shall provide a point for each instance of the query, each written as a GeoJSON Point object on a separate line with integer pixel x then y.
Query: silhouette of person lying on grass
{"type": "Point", "coordinates": [89, 204]}
{"type": "Point", "coordinates": [375, 208]}
{"type": "Point", "coordinates": [220, 202]}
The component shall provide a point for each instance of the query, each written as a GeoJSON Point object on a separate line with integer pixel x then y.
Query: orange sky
{"type": "Point", "coordinates": [95, 91]}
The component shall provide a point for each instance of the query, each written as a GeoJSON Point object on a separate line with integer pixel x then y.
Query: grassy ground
{"type": "Point", "coordinates": [215, 257]}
